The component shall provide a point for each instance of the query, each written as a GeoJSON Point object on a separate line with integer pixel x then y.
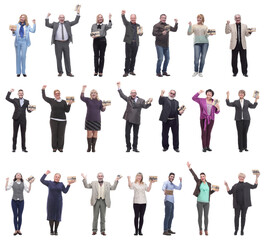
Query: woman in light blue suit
{"type": "Point", "coordinates": [22, 42]}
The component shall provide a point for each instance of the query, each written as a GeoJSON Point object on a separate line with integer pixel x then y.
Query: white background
{"type": "Point", "coordinates": [224, 163]}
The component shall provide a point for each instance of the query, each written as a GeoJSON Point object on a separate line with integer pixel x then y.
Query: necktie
{"type": "Point", "coordinates": [238, 32]}
{"type": "Point", "coordinates": [62, 32]}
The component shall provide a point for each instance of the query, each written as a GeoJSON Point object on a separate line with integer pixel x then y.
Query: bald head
{"type": "Point", "coordinates": [133, 18]}
{"type": "Point", "coordinates": [61, 18]}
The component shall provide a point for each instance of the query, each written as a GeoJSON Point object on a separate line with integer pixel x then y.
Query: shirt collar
{"type": "Point", "coordinates": [59, 100]}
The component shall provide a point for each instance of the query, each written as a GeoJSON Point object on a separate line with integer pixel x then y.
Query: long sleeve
{"type": "Point", "coordinates": [196, 98]}
{"type": "Point", "coordinates": [87, 185]}
{"type": "Point", "coordinates": [164, 187]}
{"type": "Point", "coordinates": [83, 98]}
{"type": "Point", "coordinates": [46, 99]}
{"type": "Point", "coordinates": [48, 24]}
{"type": "Point", "coordinates": [156, 31]}
{"type": "Point", "coordinates": [194, 175]}
{"type": "Point", "coordinates": [65, 189]}
{"type": "Point", "coordinates": [9, 186]}
{"type": "Point", "coordinates": [230, 104]}
{"type": "Point", "coordinates": [252, 186]}
{"type": "Point", "coordinates": [26, 188]}
{"type": "Point", "coordinates": [114, 186]}
{"type": "Point", "coordinates": [32, 29]}
{"type": "Point", "coordinates": [161, 100]}
{"type": "Point", "coordinates": [43, 181]}
{"type": "Point", "coordinates": [75, 21]}
{"type": "Point", "coordinates": [109, 25]}
{"type": "Point", "coordinates": [8, 97]}
{"type": "Point", "coordinates": [247, 33]}
{"type": "Point", "coordinates": [67, 107]}
{"type": "Point", "coordinates": [252, 105]}
{"type": "Point", "coordinates": [190, 30]}
{"type": "Point", "coordinates": [231, 191]}
{"type": "Point", "coordinates": [175, 28]}
{"type": "Point", "coordinates": [178, 187]}
{"type": "Point", "coordinates": [142, 104]}
{"type": "Point", "coordinates": [124, 20]}
{"type": "Point", "coordinates": [122, 95]}
{"type": "Point", "coordinates": [228, 28]}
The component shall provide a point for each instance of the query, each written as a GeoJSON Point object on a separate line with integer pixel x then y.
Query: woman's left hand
{"type": "Point", "coordinates": [34, 21]}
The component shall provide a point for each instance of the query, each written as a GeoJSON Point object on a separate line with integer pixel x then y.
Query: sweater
{"type": "Point", "coordinates": [200, 33]}
{"type": "Point", "coordinates": [103, 30]}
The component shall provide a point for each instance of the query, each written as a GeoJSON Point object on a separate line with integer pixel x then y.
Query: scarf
{"type": "Point", "coordinates": [21, 30]}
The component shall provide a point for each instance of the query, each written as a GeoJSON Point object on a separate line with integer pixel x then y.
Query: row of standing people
{"type": "Point", "coordinates": [169, 117]}
{"type": "Point", "coordinates": [100, 199]}
{"type": "Point", "coordinates": [62, 36]}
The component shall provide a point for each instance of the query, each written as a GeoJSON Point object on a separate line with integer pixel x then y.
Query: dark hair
{"type": "Point", "coordinates": [163, 15]}
{"type": "Point", "coordinates": [210, 90]}
{"type": "Point", "coordinates": [20, 90]}
{"type": "Point", "coordinates": [15, 179]}
{"type": "Point", "coordinates": [202, 173]}
{"type": "Point", "coordinates": [171, 174]}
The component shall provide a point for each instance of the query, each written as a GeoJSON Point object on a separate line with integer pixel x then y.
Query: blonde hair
{"type": "Point", "coordinates": [202, 17]}
{"type": "Point", "coordinates": [98, 17]}
{"type": "Point", "coordinates": [26, 19]}
{"type": "Point", "coordinates": [139, 174]}
{"type": "Point", "coordinates": [93, 90]}
{"type": "Point", "coordinates": [242, 175]}
{"type": "Point", "coordinates": [56, 90]}
{"type": "Point", "coordinates": [242, 91]}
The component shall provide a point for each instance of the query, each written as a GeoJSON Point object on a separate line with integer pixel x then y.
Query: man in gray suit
{"type": "Point", "coordinates": [61, 37]}
{"type": "Point", "coordinates": [132, 116]}
{"type": "Point", "coordinates": [100, 199]}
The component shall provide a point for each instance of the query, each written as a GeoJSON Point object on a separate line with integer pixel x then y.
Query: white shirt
{"type": "Point", "coordinates": [59, 36]}
{"type": "Point", "coordinates": [101, 190]}
{"type": "Point", "coordinates": [242, 106]}
{"type": "Point", "coordinates": [139, 193]}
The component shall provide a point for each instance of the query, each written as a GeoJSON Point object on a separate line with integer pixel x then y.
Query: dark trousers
{"type": "Point", "coordinates": [58, 130]}
{"type": "Point", "coordinates": [203, 208]}
{"type": "Point", "coordinates": [174, 125]}
{"type": "Point", "coordinates": [22, 122]}
{"type": "Point", "coordinates": [242, 131]}
{"type": "Point", "coordinates": [139, 210]}
{"type": "Point", "coordinates": [17, 207]}
{"type": "Point", "coordinates": [243, 211]}
{"type": "Point", "coordinates": [99, 46]}
{"type": "Point", "coordinates": [62, 48]}
{"type": "Point", "coordinates": [128, 128]}
{"type": "Point", "coordinates": [243, 59]}
{"type": "Point", "coordinates": [130, 53]}
{"type": "Point", "coordinates": [169, 215]}
{"type": "Point", "coordinates": [206, 134]}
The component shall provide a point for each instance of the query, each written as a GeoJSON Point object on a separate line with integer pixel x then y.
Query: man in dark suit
{"type": "Point", "coordinates": [169, 117]}
{"type": "Point", "coordinates": [242, 117]}
{"type": "Point", "coordinates": [61, 37]}
{"type": "Point", "coordinates": [241, 199]}
{"type": "Point", "coordinates": [19, 117]}
{"type": "Point", "coordinates": [132, 116]}
{"type": "Point", "coordinates": [131, 40]}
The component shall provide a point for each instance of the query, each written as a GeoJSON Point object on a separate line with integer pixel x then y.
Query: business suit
{"type": "Point", "coordinates": [62, 46]}
{"type": "Point", "coordinates": [131, 40]}
{"type": "Point", "coordinates": [238, 45]}
{"type": "Point", "coordinates": [132, 116]}
{"type": "Point", "coordinates": [19, 120]}
{"type": "Point", "coordinates": [242, 118]}
{"type": "Point", "coordinates": [169, 118]}
{"type": "Point", "coordinates": [100, 204]}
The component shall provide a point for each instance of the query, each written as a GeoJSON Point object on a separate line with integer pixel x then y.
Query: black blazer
{"type": "Point", "coordinates": [129, 31]}
{"type": "Point", "coordinates": [166, 103]}
{"type": "Point", "coordinates": [20, 112]}
{"type": "Point", "coordinates": [198, 184]}
{"type": "Point", "coordinates": [67, 25]}
{"type": "Point", "coordinates": [246, 192]}
{"type": "Point", "coordinates": [239, 110]}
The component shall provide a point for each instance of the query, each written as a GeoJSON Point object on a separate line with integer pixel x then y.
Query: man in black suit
{"type": "Point", "coordinates": [19, 117]}
{"type": "Point", "coordinates": [169, 117]}
{"type": "Point", "coordinates": [242, 117]}
{"type": "Point", "coordinates": [241, 199]}
{"type": "Point", "coordinates": [132, 116]}
{"type": "Point", "coordinates": [61, 37]}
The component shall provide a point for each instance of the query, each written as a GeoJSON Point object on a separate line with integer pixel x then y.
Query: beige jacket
{"type": "Point", "coordinates": [231, 28]}
{"type": "Point", "coordinates": [107, 188]}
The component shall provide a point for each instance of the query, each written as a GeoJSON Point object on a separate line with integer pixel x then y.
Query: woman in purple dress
{"type": "Point", "coordinates": [93, 120]}
{"type": "Point", "coordinates": [55, 200]}
{"type": "Point", "coordinates": [208, 109]}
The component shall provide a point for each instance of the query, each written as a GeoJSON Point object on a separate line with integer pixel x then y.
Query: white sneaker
{"type": "Point", "coordinates": [200, 75]}
{"type": "Point", "coordinates": [195, 74]}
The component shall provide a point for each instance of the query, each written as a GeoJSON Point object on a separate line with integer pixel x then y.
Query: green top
{"type": "Point", "coordinates": [204, 193]}
{"type": "Point", "coordinates": [200, 33]}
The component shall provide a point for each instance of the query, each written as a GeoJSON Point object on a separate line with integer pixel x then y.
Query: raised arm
{"type": "Point", "coordinates": [8, 96]}
{"type": "Point", "coordinates": [192, 172]}
{"type": "Point", "coordinates": [75, 21]}
{"type": "Point", "coordinates": [43, 181]}
{"type": "Point", "coordinates": [65, 189]}
{"type": "Point", "coordinates": [190, 29]}
{"type": "Point", "coordinates": [46, 99]}
{"type": "Point", "coordinates": [124, 20]}
{"type": "Point", "coordinates": [33, 29]}
{"type": "Point", "coordinates": [179, 186]}
{"type": "Point", "coordinates": [47, 22]}
{"type": "Point", "coordinates": [175, 28]}
{"type": "Point", "coordinates": [67, 107]}
{"type": "Point", "coordinates": [109, 25]}
{"type": "Point", "coordinates": [129, 182]}
{"type": "Point", "coordinates": [228, 103]}
{"type": "Point", "coordinates": [253, 105]}
{"type": "Point", "coordinates": [114, 186]}
{"type": "Point", "coordinates": [196, 96]}
{"type": "Point", "coordinates": [86, 185]}
{"type": "Point", "coordinates": [228, 27]}
{"type": "Point", "coordinates": [8, 186]}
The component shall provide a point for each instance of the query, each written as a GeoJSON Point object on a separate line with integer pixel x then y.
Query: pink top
{"type": "Point", "coordinates": [203, 107]}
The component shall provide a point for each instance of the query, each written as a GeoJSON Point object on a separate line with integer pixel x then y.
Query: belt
{"type": "Point", "coordinates": [171, 118]}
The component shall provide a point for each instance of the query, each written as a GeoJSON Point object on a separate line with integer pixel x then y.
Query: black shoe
{"type": "Point", "coordinates": [125, 75]}
{"type": "Point", "coordinates": [60, 150]}
{"type": "Point", "coordinates": [246, 149]}
{"type": "Point", "coordinates": [60, 74]}
{"type": "Point", "coordinates": [132, 73]}
{"type": "Point", "coordinates": [136, 150]}
{"type": "Point", "coordinates": [52, 233]}
{"type": "Point", "coordinates": [234, 75]}
{"type": "Point", "coordinates": [204, 150]}
{"type": "Point", "coordinates": [24, 75]}
{"type": "Point", "coordinates": [95, 74]}
{"type": "Point", "coordinates": [14, 150]}
{"type": "Point", "coordinates": [100, 75]}
{"type": "Point", "coordinates": [208, 149]}
{"type": "Point", "coordinates": [159, 75]}
{"type": "Point", "coordinates": [128, 150]}
{"type": "Point", "coordinates": [140, 233]}
{"type": "Point", "coordinates": [242, 233]}
{"type": "Point", "coordinates": [70, 75]}
{"type": "Point", "coordinates": [24, 150]}
{"type": "Point", "coordinates": [54, 150]}
{"type": "Point", "coordinates": [136, 233]}
{"type": "Point", "coordinates": [18, 75]}
{"type": "Point", "coordinates": [245, 75]}
{"type": "Point", "coordinates": [19, 233]}
{"type": "Point", "coordinates": [176, 150]}
{"type": "Point", "coordinates": [171, 232]}
{"type": "Point", "coordinates": [55, 233]}
{"type": "Point", "coordinates": [15, 233]}
{"type": "Point", "coordinates": [235, 233]}
{"type": "Point", "coordinates": [166, 74]}
{"type": "Point", "coordinates": [165, 149]}
{"type": "Point", "coordinates": [167, 233]}
{"type": "Point", "coordinates": [240, 150]}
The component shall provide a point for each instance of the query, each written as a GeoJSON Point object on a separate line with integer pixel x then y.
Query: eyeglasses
{"type": "Point", "coordinates": [133, 92]}
{"type": "Point", "coordinates": [173, 93]}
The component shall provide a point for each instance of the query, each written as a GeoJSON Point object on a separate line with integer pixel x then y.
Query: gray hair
{"type": "Point", "coordinates": [242, 175]}
{"type": "Point", "coordinates": [237, 15]}
{"type": "Point", "coordinates": [101, 174]}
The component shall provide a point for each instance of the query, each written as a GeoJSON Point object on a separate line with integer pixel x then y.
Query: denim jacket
{"type": "Point", "coordinates": [27, 30]}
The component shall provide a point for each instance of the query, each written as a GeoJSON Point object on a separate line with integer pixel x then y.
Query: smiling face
{"type": "Point", "coordinates": [99, 19]}
{"type": "Point", "coordinates": [61, 18]}
{"type": "Point", "coordinates": [209, 95]}
{"type": "Point", "coordinates": [172, 94]}
{"type": "Point", "coordinates": [133, 94]}
{"type": "Point", "coordinates": [22, 18]}
{"type": "Point", "coordinates": [163, 18]}
{"type": "Point", "coordinates": [57, 94]}
{"type": "Point", "coordinates": [241, 94]}
{"type": "Point", "coordinates": [203, 177]}
{"type": "Point", "coordinates": [171, 178]}
{"type": "Point", "coordinates": [57, 177]}
{"type": "Point", "coordinates": [94, 94]}
{"type": "Point", "coordinates": [238, 18]}
{"type": "Point", "coordinates": [133, 18]}
{"type": "Point", "coordinates": [18, 176]}
{"type": "Point", "coordinates": [139, 178]}
{"type": "Point", "coordinates": [199, 20]}
{"type": "Point", "coordinates": [100, 177]}
{"type": "Point", "coordinates": [20, 94]}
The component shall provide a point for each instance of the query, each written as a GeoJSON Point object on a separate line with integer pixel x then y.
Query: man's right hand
{"type": "Point", "coordinates": [48, 14]}
{"type": "Point", "coordinates": [123, 12]}
{"type": "Point", "coordinates": [43, 87]}
{"type": "Point", "coordinates": [162, 92]}
{"type": "Point", "coordinates": [188, 164]}
{"type": "Point", "coordinates": [227, 94]}
{"type": "Point", "coordinates": [83, 175]}
{"type": "Point", "coordinates": [119, 84]}
{"type": "Point", "coordinates": [228, 22]}
{"type": "Point", "coordinates": [48, 172]}
{"type": "Point", "coordinates": [164, 32]}
{"type": "Point", "coordinates": [12, 90]}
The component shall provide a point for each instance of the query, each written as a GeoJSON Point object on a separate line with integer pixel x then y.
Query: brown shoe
{"type": "Point", "coordinates": [166, 74]}
{"type": "Point", "coordinates": [206, 232]}
{"type": "Point", "coordinates": [132, 73]}
{"type": "Point", "coordinates": [60, 74]}
{"type": "Point", "coordinates": [159, 75]}
{"type": "Point", "coordinates": [103, 233]}
{"type": "Point", "coordinates": [94, 233]}
{"type": "Point", "coordinates": [171, 232]}
{"type": "Point", "coordinates": [200, 232]}
{"type": "Point", "coordinates": [125, 75]}
{"type": "Point", "coordinates": [166, 233]}
{"type": "Point", "coordinates": [70, 75]}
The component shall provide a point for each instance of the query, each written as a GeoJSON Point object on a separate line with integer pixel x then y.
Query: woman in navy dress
{"type": "Point", "coordinates": [93, 120]}
{"type": "Point", "coordinates": [55, 200]}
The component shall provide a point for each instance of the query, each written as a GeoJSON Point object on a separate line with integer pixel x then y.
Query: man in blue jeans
{"type": "Point", "coordinates": [161, 32]}
{"type": "Point", "coordinates": [168, 188]}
